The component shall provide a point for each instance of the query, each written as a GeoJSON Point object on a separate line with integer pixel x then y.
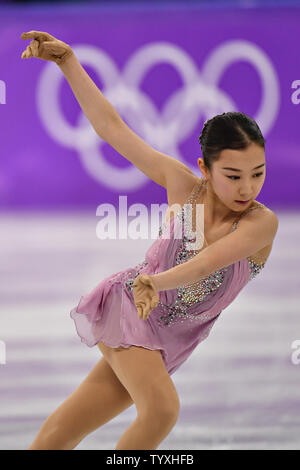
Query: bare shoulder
{"type": "Point", "coordinates": [265, 216]}
{"type": "Point", "coordinates": [267, 219]}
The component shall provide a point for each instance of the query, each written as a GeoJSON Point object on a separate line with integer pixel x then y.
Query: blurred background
{"type": "Point", "coordinates": [239, 389]}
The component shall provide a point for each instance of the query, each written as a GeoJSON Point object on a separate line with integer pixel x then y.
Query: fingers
{"type": "Point", "coordinates": [146, 310]}
{"type": "Point", "coordinates": [140, 309]}
{"type": "Point", "coordinates": [27, 53]}
{"type": "Point", "coordinates": [154, 301]}
{"type": "Point", "coordinates": [140, 312]}
{"type": "Point", "coordinates": [39, 35]}
{"type": "Point", "coordinates": [34, 45]}
{"type": "Point", "coordinates": [29, 35]}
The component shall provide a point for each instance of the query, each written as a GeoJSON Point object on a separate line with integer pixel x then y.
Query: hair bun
{"type": "Point", "coordinates": [232, 130]}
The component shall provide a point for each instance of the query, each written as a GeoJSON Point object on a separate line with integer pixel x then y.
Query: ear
{"type": "Point", "coordinates": [202, 167]}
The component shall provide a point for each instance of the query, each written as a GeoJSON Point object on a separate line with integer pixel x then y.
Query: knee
{"type": "Point", "coordinates": [163, 412]}
{"type": "Point", "coordinates": [168, 415]}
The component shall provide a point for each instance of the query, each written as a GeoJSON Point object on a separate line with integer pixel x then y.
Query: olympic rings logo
{"type": "Point", "coordinates": [199, 95]}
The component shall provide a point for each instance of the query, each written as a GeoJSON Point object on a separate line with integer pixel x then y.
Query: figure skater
{"type": "Point", "coordinates": [147, 320]}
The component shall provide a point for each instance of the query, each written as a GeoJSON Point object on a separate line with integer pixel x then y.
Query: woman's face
{"type": "Point", "coordinates": [238, 175]}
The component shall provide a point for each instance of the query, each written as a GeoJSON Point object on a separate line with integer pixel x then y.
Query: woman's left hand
{"type": "Point", "coordinates": [145, 295]}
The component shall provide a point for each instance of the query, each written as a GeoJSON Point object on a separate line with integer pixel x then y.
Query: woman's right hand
{"type": "Point", "coordinates": [46, 47]}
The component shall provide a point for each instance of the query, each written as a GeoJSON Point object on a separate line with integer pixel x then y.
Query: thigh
{"type": "Point", "coordinates": [97, 400]}
{"type": "Point", "coordinates": [143, 373]}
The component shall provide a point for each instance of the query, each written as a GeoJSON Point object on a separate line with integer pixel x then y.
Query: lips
{"type": "Point", "coordinates": [243, 202]}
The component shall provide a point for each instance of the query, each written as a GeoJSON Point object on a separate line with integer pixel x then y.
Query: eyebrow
{"type": "Point", "coordinates": [236, 169]}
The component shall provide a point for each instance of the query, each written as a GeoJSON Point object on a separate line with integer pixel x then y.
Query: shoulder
{"type": "Point", "coordinates": [259, 214]}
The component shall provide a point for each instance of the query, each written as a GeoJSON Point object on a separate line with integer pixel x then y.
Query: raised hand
{"type": "Point", "coordinates": [46, 47]}
{"type": "Point", "coordinates": [145, 295]}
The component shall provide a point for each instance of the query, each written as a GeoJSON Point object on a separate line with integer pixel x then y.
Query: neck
{"type": "Point", "coordinates": [216, 212]}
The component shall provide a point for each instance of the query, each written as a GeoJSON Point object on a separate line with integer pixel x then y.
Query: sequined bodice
{"type": "Point", "coordinates": [196, 293]}
{"type": "Point", "coordinates": [186, 217]}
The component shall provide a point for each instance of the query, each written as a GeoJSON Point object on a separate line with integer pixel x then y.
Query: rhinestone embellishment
{"type": "Point", "coordinates": [137, 269]}
{"type": "Point", "coordinates": [191, 294]}
{"type": "Point", "coordinates": [254, 268]}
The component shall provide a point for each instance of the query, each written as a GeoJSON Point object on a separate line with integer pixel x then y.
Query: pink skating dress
{"type": "Point", "coordinates": [183, 317]}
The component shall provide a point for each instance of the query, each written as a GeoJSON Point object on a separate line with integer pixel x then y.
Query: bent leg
{"type": "Point", "coordinates": [97, 400]}
{"type": "Point", "coordinates": [144, 375]}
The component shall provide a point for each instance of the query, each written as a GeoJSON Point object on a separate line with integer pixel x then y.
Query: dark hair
{"type": "Point", "coordinates": [231, 130]}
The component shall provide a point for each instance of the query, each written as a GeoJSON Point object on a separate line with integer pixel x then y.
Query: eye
{"type": "Point", "coordinates": [257, 175]}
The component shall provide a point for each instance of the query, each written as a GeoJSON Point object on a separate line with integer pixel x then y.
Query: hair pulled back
{"type": "Point", "coordinates": [231, 130]}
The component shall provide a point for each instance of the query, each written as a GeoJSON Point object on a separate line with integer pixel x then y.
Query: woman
{"type": "Point", "coordinates": [147, 320]}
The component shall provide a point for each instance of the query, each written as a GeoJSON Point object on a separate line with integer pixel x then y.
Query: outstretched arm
{"type": "Point", "coordinates": [254, 232]}
{"type": "Point", "coordinates": [99, 111]}
{"type": "Point", "coordinates": [102, 115]}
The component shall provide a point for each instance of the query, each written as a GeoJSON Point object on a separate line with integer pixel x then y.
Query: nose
{"type": "Point", "coordinates": [246, 191]}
